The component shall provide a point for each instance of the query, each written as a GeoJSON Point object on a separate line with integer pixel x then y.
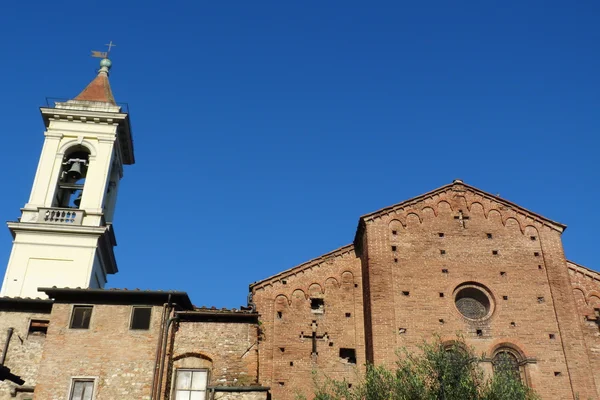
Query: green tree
{"type": "Point", "coordinates": [436, 372]}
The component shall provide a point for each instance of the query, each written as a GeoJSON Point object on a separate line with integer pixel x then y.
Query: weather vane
{"type": "Point", "coordinates": [103, 54]}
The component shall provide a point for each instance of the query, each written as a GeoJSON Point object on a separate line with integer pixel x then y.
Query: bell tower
{"type": "Point", "coordinates": [65, 234]}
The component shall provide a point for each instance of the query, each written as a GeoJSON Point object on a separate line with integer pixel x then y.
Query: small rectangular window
{"type": "Point", "coordinates": [140, 318]}
{"type": "Point", "coordinates": [82, 389]}
{"type": "Point", "coordinates": [191, 384]}
{"type": "Point", "coordinates": [38, 327]}
{"type": "Point", "coordinates": [349, 355]}
{"type": "Point", "coordinates": [81, 317]}
{"type": "Point", "coordinates": [317, 305]}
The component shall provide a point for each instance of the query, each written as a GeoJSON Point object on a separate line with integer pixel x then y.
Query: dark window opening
{"type": "Point", "coordinates": [395, 260]}
{"type": "Point", "coordinates": [502, 273]}
{"type": "Point", "coordinates": [282, 349]}
{"type": "Point", "coordinates": [442, 251]}
{"type": "Point", "coordinates": [441, 294]}
{"type": "Point", "coordinates": [479, 332]}
{"type": "Point", "coordinates": [536, 254]}
{"type": "Point", "coordinates": [533, 238]}
{"type": "Point", "coordinates": [349, 355]}
{"type": "Point", "coordinates": [539, 267]}
{"type": "Point", "coordinates": [540, 299]}
{"type": "Point", "coordinates": [140, 318]}
{"type": "Point", "coordinates": [444, 271]}
{"type": "Point", "coordinates": [348, 315]}
{"type": "Point", "coordinates": [441, 320]}
{"type": "Point", "coordinates": [38, 327]}
{"type": "Point", "coordinates": [80, 319]}
{"type": "Point", "coordinates": [72, 178]}
{"type": "Point", "coordinates": [552, 336]}
{"type": "Point", "coordinates": [557, 373]}
{"type": "Point", "coordinates": [291, 363]}
{"type": "Point", "coordinates": [513, 324]}
{"type": "Point", "coordinates": [330, 344]}
{"type": "Point", "coordinates": [405, 293]}
{"type": "Point", "coordinates": [495, 252]}
{"type": "Point", "coordinates": [284, 281]}
{"type": "Point", "coordinates": [504, 297]}
{"type": "Point", "coordinates": [489, 235]}
{"type": "Point", "coordinates": [441, 234]}
{"type": "Point", "coordinates": [317, 305]}
{"type": "Point", "coordinates": [279, 315]}
{"type": "Point", "coordinates": [393, 248]}
{"type": "Point", "coordinates": [394, 232]}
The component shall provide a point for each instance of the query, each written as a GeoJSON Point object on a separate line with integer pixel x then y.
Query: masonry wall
{"type": "Point", "coordinates": [229, 350]}
{"type": "Point", "coordinates": [287, 318]}
{"type": "Point", "coordinates": [24, 351]}
{"type": "Point", "coordinates": [586, 290]}
{"type": "Point", "coordinates": [420, 254]}
{"type": "Point", "coordinates": [119, 359]}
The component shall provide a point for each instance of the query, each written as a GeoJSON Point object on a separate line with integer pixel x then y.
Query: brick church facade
{"type": "Point", "coordinates": [454, 260]}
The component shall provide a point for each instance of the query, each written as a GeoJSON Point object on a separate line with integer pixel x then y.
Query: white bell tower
{"type": "Point", "coordinates": [65, 236]}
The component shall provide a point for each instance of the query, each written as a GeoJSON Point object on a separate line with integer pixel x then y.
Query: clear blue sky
{"type": "Point", "coordinates": [264, 129]}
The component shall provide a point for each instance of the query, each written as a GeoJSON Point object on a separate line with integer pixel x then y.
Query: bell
{"type": "Point", "coordinates": [74, 173]}
{"type": "Point", "coordinates": [77, 201]}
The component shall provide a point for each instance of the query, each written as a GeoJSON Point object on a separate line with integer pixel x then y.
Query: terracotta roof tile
{"type": "Point", "coordinates": [98, 90]}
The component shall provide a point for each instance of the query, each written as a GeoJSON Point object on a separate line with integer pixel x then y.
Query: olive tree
{"type": "Point", "coordinates": [435, 372]}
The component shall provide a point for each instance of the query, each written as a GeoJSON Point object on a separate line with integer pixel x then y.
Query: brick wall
{"type": "Point", "coordinates": [287, 316]}
{"type": "Point", "coordinates": [586, 290]}
{"type": "Point", "coordinates": [121, 360]}
{"type": "Point", "coordinates": [419, 254]}
{"type": "Point", "coordinates": [414, 259]}
{"type": "Point", "coordinates": [229, 350]}
{"type": "Point", "coordinates": [24, 351]}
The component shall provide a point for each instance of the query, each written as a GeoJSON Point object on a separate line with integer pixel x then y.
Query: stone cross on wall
{"type": "Point", "coordinates": [314, 337]}
{"type": "Point", "coordinates": [461, 218]}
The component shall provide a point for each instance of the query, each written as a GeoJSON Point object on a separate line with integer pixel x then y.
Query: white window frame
{"type": "Point", "coordinates": [174, 394]}
{"type": "Point", "coordinates": [74, 379]}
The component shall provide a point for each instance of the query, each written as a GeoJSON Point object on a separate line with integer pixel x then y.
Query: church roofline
{"type": "Point", "coordinates": [304, 266]}
{"type": "Point", "coordinates": [458, 183]}
{"type": "Point", "coordinates": [574, 266]}
{"type": "Point", "coordinates": [118, 296]}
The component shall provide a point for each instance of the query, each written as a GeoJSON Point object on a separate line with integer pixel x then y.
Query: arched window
{"type": "Point", "coordinates": [72, 178]}
{"type": "Point", "coordinates": [507, 360]}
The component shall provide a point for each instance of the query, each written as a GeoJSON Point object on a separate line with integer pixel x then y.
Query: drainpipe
{"type": "Point", "coordinates": [8, 337]}
{"type": "Point", "coordinates": [163, 353]}
{"type": "Point", "coordinates": [166, 306]}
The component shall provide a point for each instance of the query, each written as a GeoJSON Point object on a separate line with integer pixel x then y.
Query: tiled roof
{"type": "Point", "coordinates": [26, 304]}
{"type": "Point", "coordinates": [125, 296]}
{"type": "Point", "coordinates": [98, 90]}
{"type": "Point", "coordinates": [213, 309]}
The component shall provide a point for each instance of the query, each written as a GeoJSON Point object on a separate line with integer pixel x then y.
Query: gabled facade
{"type": "Point", "coordinates": [454, 260]}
